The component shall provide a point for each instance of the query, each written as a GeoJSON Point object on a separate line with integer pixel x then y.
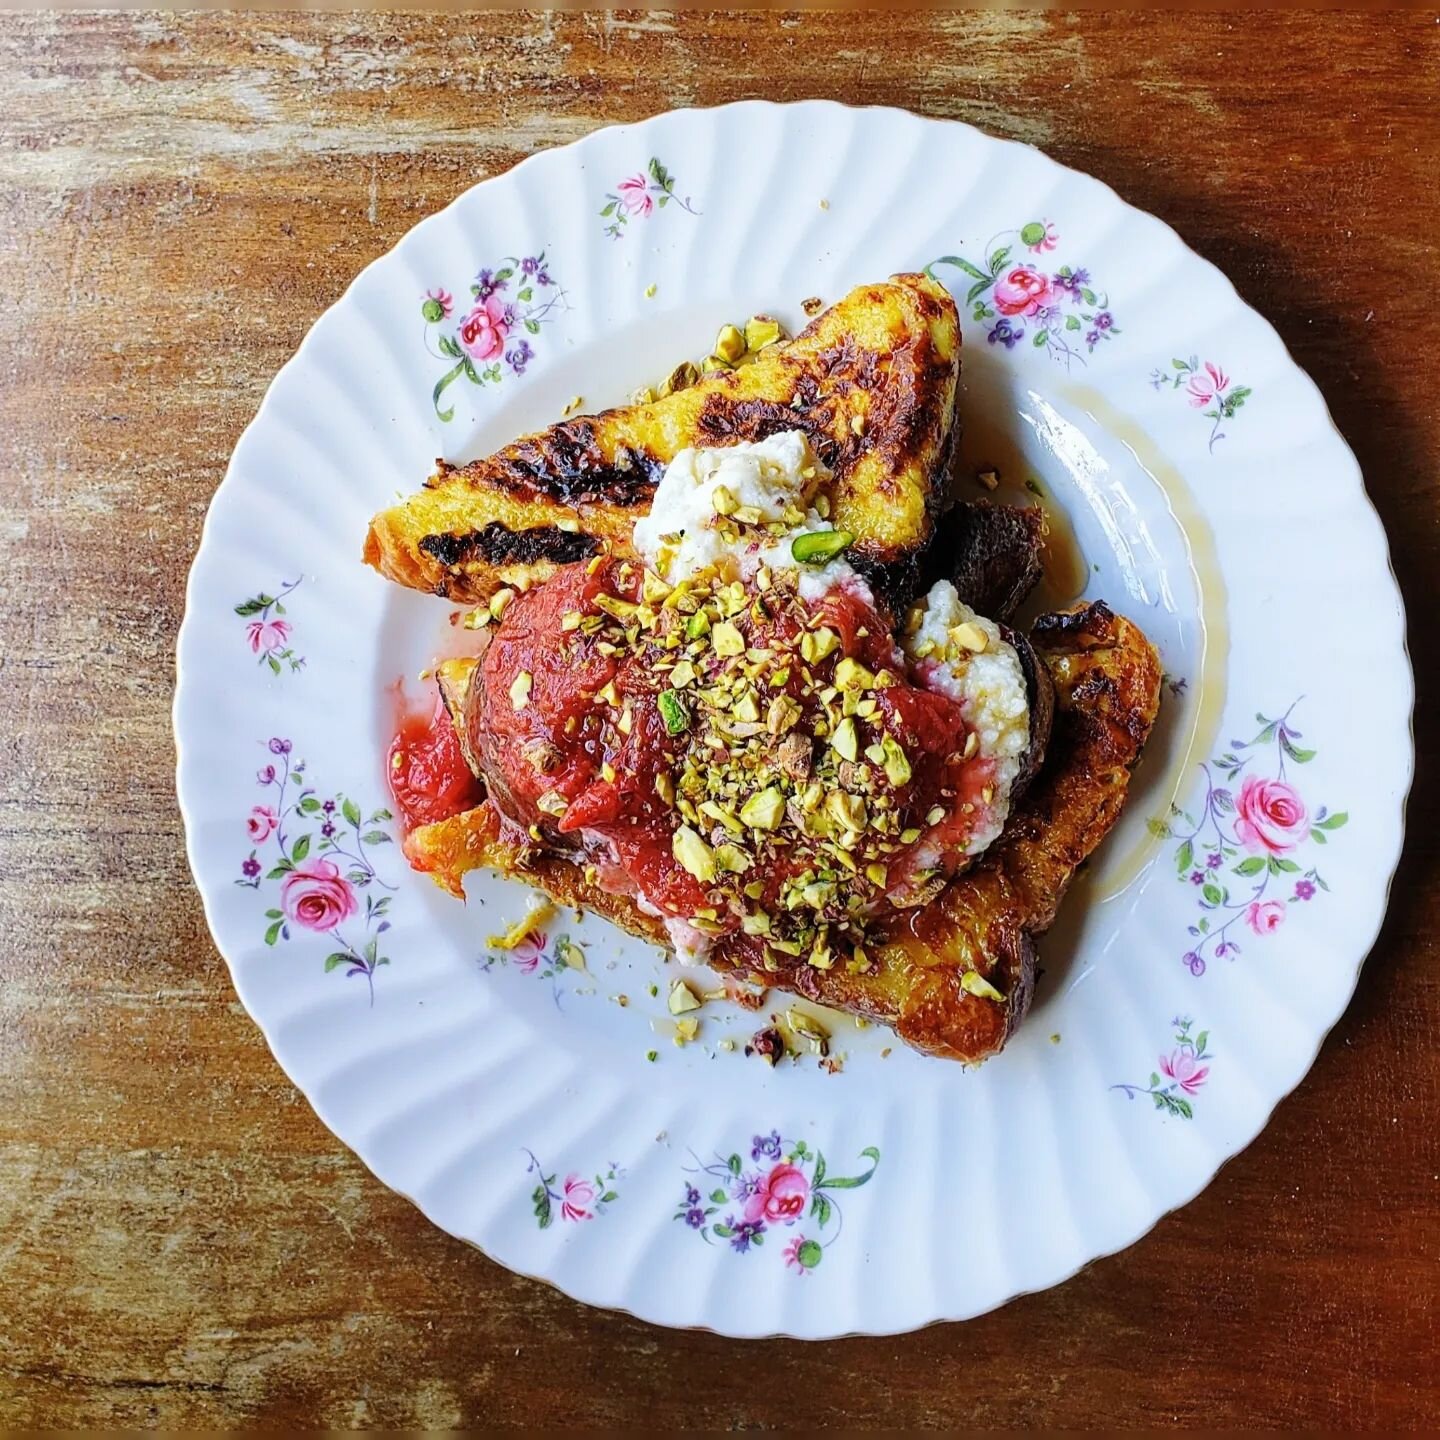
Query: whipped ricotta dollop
{"type": "Point", "coordinates": [941, 641]}
{"type": "Point", "coordinates": [746, 502]}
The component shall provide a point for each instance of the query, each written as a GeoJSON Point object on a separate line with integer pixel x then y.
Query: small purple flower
{"type": "Point", "coordinates": [486, 284]}
{"type": "Point", "coordinates": [529, 265]}
{"type": "Point", "coordinates": [1073, 283]}
{"type": "Point", "coordinates": [1195, 963]}
{"type": "Point", "coordinates": [695, 1218]}
{"type": "Point", "coordinates": [1104, 320]}
{"type": "Point", "coordinates": [250, 867]}
{"type": "Point", "coordinates": [744, 1232]}
{"type": "Point", "coordinates": [266, 775]}
{"type": "Point", "coordinates": [327, 829]}
{"type": "Point", "coordinates": [509, 317]}
{"type": "Point", "coordinates": [692, 1195]}
{"type": "Point", "coordinates": [1006, 334]}
{"type": "Point", "coordinates": [766, 1146]}
{"type": "Point", "coordinates": [542, 277]}
{"type": "Point", "coordinates": [1092, 338]}
{"type": "Point", "coordinates": [1212, 861]}
{"type": "Point", "coordinates": [328, 807]}
{"type": "Point", "coordinates": [279, 746]}
{"type": "Point", "coordinates": [520, 356]}
{"type": "Point", "coordinates": [1223, 949]}
{"type": "Point", "coordinates": [744, 1186]}
{"type": "Point", "coordinates": [1197, 877]}
{"type": "Point", "coordinates": [1304, 889]}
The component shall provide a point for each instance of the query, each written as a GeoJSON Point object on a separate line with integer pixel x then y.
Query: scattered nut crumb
{"type": "Point", "coordinates": [885, 1052]}
{"type": "Point", "coordinates": [1055, 1038]}
{"type": "Point", "coordinates": [650, 290]}
{"type": "Point", "coordinates": [824, 204]}
{"type": "Point", "coordinates": [572, 405]}
{"type": "Point", "coordinates": [621, 1000]}
{"type": "Point", "coordinates": [989, 479]}
{"type": "Point", "coordinates": [813, 306]}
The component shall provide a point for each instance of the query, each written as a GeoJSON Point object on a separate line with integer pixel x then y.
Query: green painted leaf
{"type": "Point", "coordinates": [723, 1231]}
{"type": "Point", "coordinates": [1158, 828]}
{"type": "Point", "coordinates": [282, 867]}
{"type": "Point", "coordinates": [1180, 365]}
{"type": "Point", "coordinates": [1301, 757]}
{"type": "Point", "coordinates": [251, 607]}
{"type": "Point", "coordinates": [1071, 323]}
{"type": "Point", "coordinates": [300, 849]}
{"type": "Point", "coordinates": [448, 346]}
{"type": "Point", "coordinates": [999, 257]}
{"type": "Point", "coordinates": [1253, 866]}
{"type": "Point", "coordinates": [1042, 337]}
{"type": "Point", "coordinates": [273, 663]}
{"type": "Point", "coordinates": [820, 1208]}
{"type": "Point", "coordinates": [505, 272]}
{"type": "Point", "coordinates": [818, 1179]}
{"type": "Point", "coordinates": [608, 1196]}
{"type": "Point", "coordinates": [272, 915]}
{"type": "Point", "coordinates": [1213, 894]}
{"type": "Point", "coordinates": [374, 837]}
{"type": "Point", "coordinates": [1334, 822]}
{"type": "Point", "coordinates": [273, 932]}
{"type": "Point", "coordinates": [351, 811]}
{"type": "Point", "coordinates": [1184, 857]}
{"type": "Point", "coordinates": [1200, 1040]}
{"type": "Point", "coordinates": [309, 805]}
{"type": "Point", "coordinates": [976, 290]}
{"type": "Point", "coordinates": [734, 1164]}
{"type": "Point", "coordinates": [533, 326]}
{"type": "Point", "coordinates": [541, 1198]}
{"type": "Point", "coordinates": [524, 294]}
{"type": "Point", "coordinates": [960, 263]}
{"type": "Point", "coordinates": [608, 211]}
{"type": "Point", "coordinates": [1319, 837]}
{"type": "Point", "coordinates": [381, 814]}
{"type": "Point", "coordinates": [718, 1196]}
{"type": "Point", "coordinates": [1088, 296]}
{"type": "Point", "coordinates": [335, 960]}
{"type": "Point", "coordinates": [1288, 866]}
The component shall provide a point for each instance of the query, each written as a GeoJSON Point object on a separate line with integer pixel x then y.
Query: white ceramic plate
{"type": "Point", "coordinates": [1193, 973]}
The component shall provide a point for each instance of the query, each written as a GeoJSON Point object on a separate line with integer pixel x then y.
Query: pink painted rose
{"type": "Point", "coordinates": [484, 330]}
{"type": "Point", "coordinates": [1022, 292]}
{"type": "Point", "coordinates": [1270, 816]}
{"type": "Point", "coordinates": [529, 953]}
{"type": "Point", "coordinates": [1265, 917]}
{"type": "Point", "coordinates": [1207, 385]}
{"type": "Point", "coordinates": [1184, 1069]}
{"type": "Point", "coordinates": [317, 896]}
{"type": "Point", "coordinates": [267, 635]}
{"type": "Point", "coordinates": [577, 1199]}
{"type": "Point", "coordinates": [634, 195]}
{"type": "Point", "coordinates": [781, 1196]}
{"type": "Point", "coordinates": [262, 823]}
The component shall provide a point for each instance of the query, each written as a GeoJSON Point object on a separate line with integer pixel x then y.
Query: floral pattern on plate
{"type": "Point", "coordinates": [1181, 1075]}
{"type": "Point", "coordinates": [535, 955]}
{"type": "Point", "coordinates": [1058, 310]}
{"type": "Point", "coordinates": [573, 1199]}
{"type": "Point", "coordinates": [318, 871]}
{"type": "Point", "coordinates": [1248, 834]}
{"type": "Point", "coordinates": [786, 1184]}
{"type": "Point", "coordinates": [267, 633]}
{"type": "Point", "coordinates": [639, 196]}
{"type": "Point", "coordinates": [1207, 387]}
{"type": "Point", "coordinates": [517, 296]}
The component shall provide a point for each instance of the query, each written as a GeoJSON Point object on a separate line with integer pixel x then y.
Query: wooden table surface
{"type": "Point", "coordinates": [181, 1241]}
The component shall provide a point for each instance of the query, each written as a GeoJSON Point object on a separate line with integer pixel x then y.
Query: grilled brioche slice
{"type": "Point", "coordinates": [1106, 678]}
{"type": "Point", "coordinates": [871, 380]}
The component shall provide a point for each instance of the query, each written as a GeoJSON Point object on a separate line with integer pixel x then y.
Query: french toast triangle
{"type": "Point", "coordinates": [871, 381]}
{"type": "Point", "coordinates": [984, 924]}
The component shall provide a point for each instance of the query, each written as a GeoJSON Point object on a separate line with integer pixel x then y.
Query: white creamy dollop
{"type": "Point", "coordinates": [763, 483]}
{"type": "Point", "coordinates": [989, 684]}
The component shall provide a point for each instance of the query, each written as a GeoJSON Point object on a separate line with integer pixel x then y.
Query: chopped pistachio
{"type": "Point", "coordinates": [732, 859]}
{"type": "Point", "coordinates": [715, 365]}
{"type": "Point", "coordinates": [876, 874]}
{"type": "Point", "coordinates": [729, 344]}
{"type": "Point", "coordinates": [972, 982]}
{"type": "Point", "coordinates": [764, 811]}
{"type": "Point", "coordinates": [477, 619]}
{"type": "Point", "coordinates": [762, 330]}
{"type": "Point", "coordinates": [969, 636]}
{"type": "Point", "coordinates": [552, 802]}
{"type": "Point", "coordinates": [819, 547]}
{"type": "Point", "coordinates": [682, 675]}
{"type": "Point", "coordinates": [500, 601]}
{"type": "Point", "coordinates": [681, 998]}
{"type": "Point", "coordinates": [727, 640]}
{"type": "Point", "coordinates": [694, 854]}
{"type": "Point", "coordinates": [897, 764]}
{"type": "Point", "coordinates": [756, 924]}
{"type": "Point", "coordinates": [850, 674]}
{"type": "Point", "coordinates": [673, 712]}
{"type": "Point", "coordinates": [846, 741]}
{"type": "Point", "coordinates": [686, 1030]}
{"type": "Point", "coordinates": [520, 690]}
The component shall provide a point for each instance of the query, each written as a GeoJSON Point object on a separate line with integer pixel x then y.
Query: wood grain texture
{"type": "Point", "coordinates": [180, 1239]}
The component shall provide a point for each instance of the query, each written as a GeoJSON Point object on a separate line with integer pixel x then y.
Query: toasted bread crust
{"type": "Point", "coordinates": [871, 381]}
{"type": "Point", "coordinates": [1106, 687]}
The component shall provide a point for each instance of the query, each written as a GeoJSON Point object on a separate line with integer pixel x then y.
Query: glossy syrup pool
{"type": "Point", "coordinates": [1121, 527]}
